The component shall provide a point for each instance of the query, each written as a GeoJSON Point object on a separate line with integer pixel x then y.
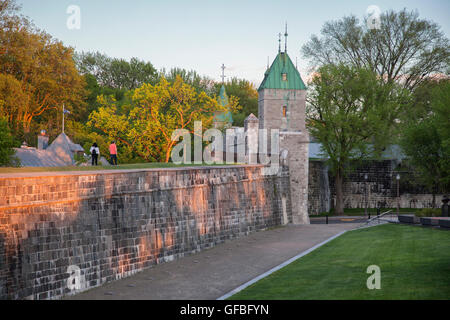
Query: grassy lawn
{"type": "Point", "coordinates": [414, 264]}
{"type": "Point", "coordinates": [91, 168]}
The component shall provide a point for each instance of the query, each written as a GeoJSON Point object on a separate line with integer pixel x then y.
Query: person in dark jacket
{"type": "Point", "coordinates": [95, 152]}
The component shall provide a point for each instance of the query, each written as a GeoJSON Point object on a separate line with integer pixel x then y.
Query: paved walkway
{"type": "Point", "coordinates": [214, 272]}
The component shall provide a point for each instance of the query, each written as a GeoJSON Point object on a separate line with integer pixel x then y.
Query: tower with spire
{"type": "Point", "coordinates": [223, 119]}
{"type": "Point", "coordinates": [281, 105]}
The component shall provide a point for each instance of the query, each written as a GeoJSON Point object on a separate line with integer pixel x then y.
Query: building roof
{"type": "Point", "coordinates": [273, 78]}
{"type": "Point", "coordinates": [223, 97]}
{"type": "Point", "coordinates": [32, 157]}
{"type": "Point", "coordinates": [223, 101]}
{"type": "Point", "coordinates": [63, 142]}
{"type": "Point", "coordinates": [59, 153]}
{"type": "Point", "coordinates": [251, 117]}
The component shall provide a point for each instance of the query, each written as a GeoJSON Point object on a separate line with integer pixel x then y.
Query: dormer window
{"type": "Point", "coordinates": [284, 76]}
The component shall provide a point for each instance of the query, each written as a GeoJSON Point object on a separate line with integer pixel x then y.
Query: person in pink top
{"type": "Point", "coordinates": [113, 153]}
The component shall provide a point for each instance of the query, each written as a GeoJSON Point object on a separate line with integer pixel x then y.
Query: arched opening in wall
{"type": "Point", "coordinates": [283, 207]}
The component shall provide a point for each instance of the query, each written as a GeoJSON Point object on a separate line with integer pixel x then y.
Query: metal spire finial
{"type": "Point", "coordinates": [285, 39]}
{"type": "Point", "coordinates": [223, 73]}
{"type": "Point", "coordinates": [267, 62]}
{"type": "Point", "coordinates": [279, 42]}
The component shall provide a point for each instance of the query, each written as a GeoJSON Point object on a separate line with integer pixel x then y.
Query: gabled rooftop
{"type": "Point", "coordinates": [59, 153]}
{"type": "Point", "coordinates": [282, 74]}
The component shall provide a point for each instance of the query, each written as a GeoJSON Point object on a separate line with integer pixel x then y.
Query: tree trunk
{"type": "Point", "coordinates": [339, 209]}
{"type": "Point", "coordinates": [168, 152]}
{"type": "Point", "coordinates": [167, 156]}
{"type": "Point", "coordinates": [27, 124]}
{"type": "Point", "coordinates": [435, 190]}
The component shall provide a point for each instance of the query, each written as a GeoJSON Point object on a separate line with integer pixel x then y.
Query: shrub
{"type": "Point", "coordinates": [79, 159]}
{"type": "Point", "coordinates": [428, 212]}
{"type": "Point", "coordinates": [7, 144]}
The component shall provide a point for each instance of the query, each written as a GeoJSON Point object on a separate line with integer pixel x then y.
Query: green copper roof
{"type": "Point", "coordinates": [223, 98]}
{"type": "Point", "coordinates": [224, 117]}
{"type": "Point", "coordinates": [223, 101]}
{"type": "Point", "coordinates": [273, 78]}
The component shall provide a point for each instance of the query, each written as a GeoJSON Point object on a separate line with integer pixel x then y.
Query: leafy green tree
{"type": "Point", "coordinates": [95, 64]}
{"type": "Point", "coordinates": [94, 90]}
{"type": "Point", "coordinates": [7, 144]}
{"type": "Point", "coordinates": [190, 77]}
{"type": "Point", "coordinates": [116, 73]}
{"type": "Point", "coordinates": [441, 107]}
{"type": "Point", "coordinates": [425, 140]}
{"type": "Point", "coordinates": [36, 70]}
{"type": "Point", "coordinates": [351, 111]}
{"type": "Point", "coordinates": [145, 126]}
{"type": "Point", "coordinates": [405, 48]}
{"type": "Point", "coordinates": [246, 92]}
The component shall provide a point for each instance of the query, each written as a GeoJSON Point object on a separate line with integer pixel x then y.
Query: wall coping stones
{"type": "Point", "coordinates": [14, 175]}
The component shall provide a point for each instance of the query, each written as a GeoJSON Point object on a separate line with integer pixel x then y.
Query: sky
{"type": "Point", "coordinates": [204, 34]}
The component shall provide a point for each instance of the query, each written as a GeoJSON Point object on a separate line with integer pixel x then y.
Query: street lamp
{"type": "Point", "coordinates": [398, 193]}
{"type": "Point", "coordinates": [365, 209]}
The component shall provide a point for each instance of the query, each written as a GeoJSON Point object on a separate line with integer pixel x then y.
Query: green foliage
{"type": "Point", "coordinates": [404, 47]}
{"type": "Point", "coordinates": [351, 112]}
{"type": "Point", "coordinates": [116, 73]}
{"type": "Point", "coordinates": [246, 92]}
{"type": "Point", "coordinates": [85, 136]}
{"type": "Point", "coordinates": [348, 108]}
{"type": "Point", "coordinates": [190, 77]}
{"type": "Point", "coordinates": [144, 126]}
{"type": "Point", "coordinates": [441, 107]}
{"type": "Point", "coordinates": [428, 212]}
{"type": "Point", "coordinates": [79, 159]}
{"type": "Point", "coordinates": [7, 144]}
{"type": "Point", "coordinates": [37, 76]}
{"type": "Point", "coordinates": [425, 138]}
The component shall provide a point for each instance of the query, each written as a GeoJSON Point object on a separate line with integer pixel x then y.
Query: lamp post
{"type": "Point", "coordinates": [365, 189]}
{"type": "Point", "coordinates": [398, 193]}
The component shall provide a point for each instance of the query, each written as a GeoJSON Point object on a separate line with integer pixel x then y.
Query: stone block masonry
{"type": "Point", "coordinates": [62, 233]}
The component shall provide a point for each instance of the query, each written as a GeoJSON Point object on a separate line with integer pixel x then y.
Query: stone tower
{"type": "Point", "coordinates": [281, 105]}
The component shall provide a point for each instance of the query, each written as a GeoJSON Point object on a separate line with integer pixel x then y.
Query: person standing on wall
{"type": "Point", "coordinates": [113, 153]}
{"type": "Point", "coordinates": [95, 152]}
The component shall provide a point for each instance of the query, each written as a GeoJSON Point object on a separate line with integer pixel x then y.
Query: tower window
{"type": "Point", "coordinates": [284, 111]}
{"type": "Point", "coordinates": [284, 76]}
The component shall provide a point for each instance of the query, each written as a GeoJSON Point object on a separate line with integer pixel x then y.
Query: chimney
{"type": "Point", "coordinates": [42, 140]}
